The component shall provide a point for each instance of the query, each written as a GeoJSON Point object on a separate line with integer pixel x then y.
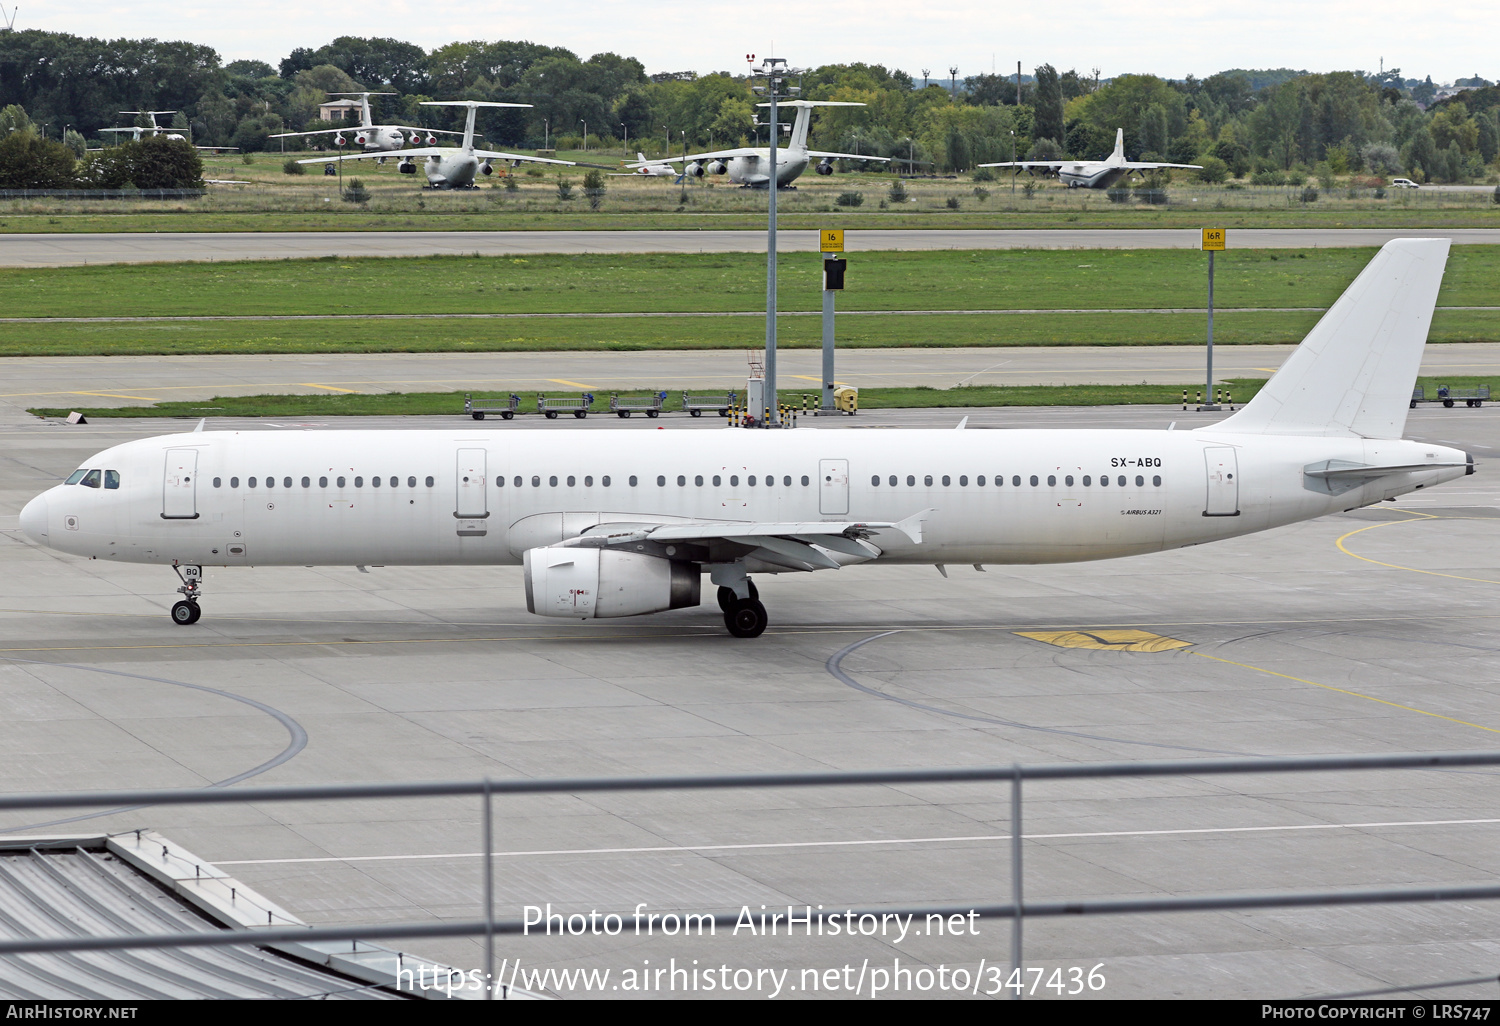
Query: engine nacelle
{"type": "Point", "coordinates": [694, 170]}
{"type": "Point", "coordinates": [359, 140]}
{"type": "Point", "coordinates": [339, 140]}
{"type": "Point", "coordinates": [586, 582]}
{"type": "Point", "coordinates": [432, 140]}
{"type": "Point", "coordinates": [824, 168]}
{"type": "Point", "coordinates": [407, 167]}
{"type": "Point", "coordinates": [485, 168]}
{"type": "Point", "coordinates": [717, 167]}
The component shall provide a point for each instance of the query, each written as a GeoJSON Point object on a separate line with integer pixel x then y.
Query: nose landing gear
{"type": "Point", "coordinates": [187, 611]}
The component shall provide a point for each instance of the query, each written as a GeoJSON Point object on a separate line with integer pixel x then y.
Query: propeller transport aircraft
{"type": "Point", "coordinates": [751, 165]}
{"type": "Point", "coordinates": [374, 138]}
{"type": "Point", "coordinates": [621, 523]}
{"type": "Point", "coordinates": [449, 167]}
{"type": "Point", "coordinates": [1093, 174]}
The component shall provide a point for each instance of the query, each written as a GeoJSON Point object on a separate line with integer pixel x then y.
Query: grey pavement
{"type": "Point", "coordinates": [1366, 632]}
{"type": "Point", "coordinates": [139, 380]}
{"type": "Point", "coordinates": [48, 250]}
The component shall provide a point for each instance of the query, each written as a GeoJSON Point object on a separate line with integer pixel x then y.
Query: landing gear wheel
{"type": "Point", "coordinates": [727, 599]}
{"type": "Point", "coordinates": [185, 613]}
{"type": "Point", "coordinates": [746, 620]}
{"type": "Point", "coordinates": [754, 591]}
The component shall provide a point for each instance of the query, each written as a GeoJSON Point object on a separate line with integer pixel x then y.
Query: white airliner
{"type": "Point", "coordinates": [1093, 174]}
{"type": "Point", "coordinates": [136, 132]}
{"type": "Point", "coordinates": [619, 523]}
{"type": "Point", "coordinates": [649, 168]}
{"type": "Point", "coordinates": [372, 137]}
{"type": "Point", "coordinates": [449, 167]}
{"type": "Point", "coordinates": [751, 165]}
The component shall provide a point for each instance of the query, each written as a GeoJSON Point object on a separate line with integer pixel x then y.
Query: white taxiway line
{"type": "Point", "coordinates": [846, 844]}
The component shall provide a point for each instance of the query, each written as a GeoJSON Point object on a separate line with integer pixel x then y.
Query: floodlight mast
{"type": "Point", "coordinates": [776, 73]}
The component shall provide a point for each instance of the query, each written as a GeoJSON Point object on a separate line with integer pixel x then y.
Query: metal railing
{"type": "Point", "coordinates": [1017, 909]}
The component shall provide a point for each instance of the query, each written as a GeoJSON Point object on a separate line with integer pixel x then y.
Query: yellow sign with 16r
{"type": "Point", "coordinates": [831, 240]}
{"type": "Point", "coordinates": [1213, 238]}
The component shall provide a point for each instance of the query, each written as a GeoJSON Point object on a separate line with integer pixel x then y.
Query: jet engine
{"type": "Point", "coordinates": [432, 140]}
{"type": "Point", "coordinates": [359, 140]}
{"type": "Point", "coordinates": [407, 167]}
{"type": "Point", "coordinates": [485, 168]}
{"type": "Point", "coordinates": [339, 140]}
{"type": "Point", "coordinates": [717, 167]}
{"type": "Point", "coordinates": [824, 167]}
{"type": "Point", "coordinates": [694, 170]}
{"type": "Point", "coordinates": [576, 581]}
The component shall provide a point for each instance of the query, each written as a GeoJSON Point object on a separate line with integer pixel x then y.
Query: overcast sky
{"type": "Point", "coordinates": [1165, 37]}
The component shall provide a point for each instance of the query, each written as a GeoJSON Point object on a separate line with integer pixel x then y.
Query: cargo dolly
{"type": "Point", "coordinates": [477, 411]}
{"type": "Point", "coordinates": [696, 404]}
{"type": "Point", "coordinates": [1449, 397]}
{"type": "Point", "coordinates": [650, 405]}
{"type": "Point", "coordinates": [551, 406]}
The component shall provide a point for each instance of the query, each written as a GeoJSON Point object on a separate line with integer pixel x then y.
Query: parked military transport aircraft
{"type": "Point", "coordinates": [751, 165]}
{"type": "Point", "coordinates": [1093, 174]}
{"type": "Point", "coordinates": [135, 131]}
{"type": "Point", "coordinates": [372, 137]}
{"type": "Point", "coordinates": [618, 523]}
{"type": "Point", "coordinates": [649, 168]}
{"type": "Point", "coordinates": [446, 167]}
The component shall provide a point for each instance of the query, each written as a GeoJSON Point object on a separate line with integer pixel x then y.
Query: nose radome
{"type": "Point", "coordinates": [34, 519]}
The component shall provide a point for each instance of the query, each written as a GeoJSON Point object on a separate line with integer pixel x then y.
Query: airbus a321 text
{"type": "Point", "coordinates": [450, 167]}
{"type": "Point", "coordinates": [751, 165]}
{"type": "Point", "coordinates": [1093, 174]}
{"type": "Point", "coordinates": [620, 523]}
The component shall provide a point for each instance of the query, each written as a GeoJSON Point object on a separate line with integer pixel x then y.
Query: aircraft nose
{"type": "Point", "coordinates": [34, 519]}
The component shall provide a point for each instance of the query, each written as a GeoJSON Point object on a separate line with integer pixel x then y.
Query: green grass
{"type": "Point", "coordinates": [452, 403]}
{"type": "Point", "coordinates": [1046, 280]}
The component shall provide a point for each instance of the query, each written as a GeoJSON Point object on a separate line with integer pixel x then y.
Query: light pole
{"type": "Point", "coordinates": [627, 139]}
{"type": "Point", "coordinates": [776, 72]}
{"type": "Point", "coordinates": [585, 125]}
{"type": "Point", "coordinates": [546, 129]}
{"type": "Point", "coordinates": [1013, 161]}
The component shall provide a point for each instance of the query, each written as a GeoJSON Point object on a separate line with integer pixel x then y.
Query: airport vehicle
{"type": "Point", "coordinates": [618, 523]}
{"type": "Point", "coordinates": [372, 137]}
{"type": "Point", "coordinates": [649, 168]}
{"type": "Point", "coordinates": [1092, 174]}
{"type": "Point", "coordinates": [451, 167]}
{"type": "Point", "coordinates": [751, 165]}
{"type": "Point", "coordinates": [1404, 183]}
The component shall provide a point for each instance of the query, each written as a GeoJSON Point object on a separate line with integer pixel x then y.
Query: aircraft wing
{"type": "Point", "coordinates": [497, 155]}
{"type": "Point", "coordinates": [1040, 163]}
{"type": "Point", "coordinates": [743, 151]}
{"type": "Point", "coordinates": [809, 545]}
{"type": "Point", "coordinates": [425, 151]}
{"type": "Point", "coordinates": [1136, 166]}
{"type": "Point", "coordinates": [849, 156]}
{"type": "Point", "coordinates": [321, 131]}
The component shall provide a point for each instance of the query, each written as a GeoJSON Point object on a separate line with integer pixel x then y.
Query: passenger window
{"type": "Point", "coordinates": [340, 481]}
{"type": "Point", "coordinates": [718, 480]}
{"type": "Point", "coordinates": [698, 480]}
{"type": "Point", "coordinates": [536, 481]}
{"type": "Point", "coordinates": [307, 482]}
{"type": "Point", "coordinates": [893, 480]}
{"type": "Point", "coordinates": [287, 482]}
{"type": "Point", "coordinates": [805, 481]}
{"type": "Point", "coordinates": [249, 483]}
{"type": "Point", "coordinates": [75, 477]}
{"type": "Point", "coordinates": [911, 480]}
{"type": "Point", "coordinates": [947, 481]}
{"type": "Point", "coordinates": [1087, 480]}
{"type": "Point", "coordinates": [632, 480]}
{"type": "Point", "coordinates": [411, 482]}
{"type": "Point", "coordinates": [1068, 480]}
{"type": "Point", "coordinates": [734, 480]}
{"type": "Point", "coordinates": [980, 480]}
{"type": "Point", "coordinates": [572, 480]}
{"type": "Point", "coordinates": [661, 480]}
{"type": "Point", "coordinates": [218, 482]}
{"type": "Point", "coordinates": [588, 481]}
{"type": "Point", "coordinates": [963, 480]}
{"type": "Point", "coordinates": [1016, 480]}
{"type": "Point", "coordinates": [1034, 481]}
{"type": "Point", "coordinates": [516, 481]}
{"type": "Point", "coordinates": [1140, 481]}
{"type": "Point", "coordinates": [875, 481]}
{"type": "Point", "coordinates": [927, 480]}
{"type": "Point", "coordinates": [1156, 480]}
{"type": "Point", "coordinates": [552, 481]}
{"type": "Point", "coordinates": [750, 480]}
{"type": "Point", "coordinates": [359, 482]}
{"type": "Point", "coordinates": [1051, 480]}
{"type": "Point", "coordinates": [374, 482]}
{"type": "Point", "coordinates": [786, 480]}
{"type": "Point", "coordinates": [322, 482]}
{"type": "Point", "coordinates": [500, 482]}
{"type": "Point", "coordinates": [1121, 481]}
{"type": "Point", "coordinates": [681, 481]}
{"type": "Point", "coordinates": [1103, 480]}
{"type": "Point", "coordinates": [234, 482]}
{"type": "Point", "coordinates": [429, 482]}
{"type": "Point", "coordinates": [604, 480]}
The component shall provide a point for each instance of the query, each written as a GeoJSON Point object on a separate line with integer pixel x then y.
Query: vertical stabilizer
{"type": "Point", "coordinates": [799, 128]}
{"type": "Point", "coordinates": [367, 120]}
{"type": "Point", "coordinates": [1119, 154]}
{"type": "Point", "coordinates": [1353, 373]}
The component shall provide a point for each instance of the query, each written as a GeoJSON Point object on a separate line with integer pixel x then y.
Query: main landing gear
{"type": "Point", "coordinates": [744, 617]}
{"type": "Point", "coordinates": [187, 611]}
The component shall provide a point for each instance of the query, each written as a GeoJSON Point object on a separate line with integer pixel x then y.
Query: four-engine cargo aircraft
{"type": "Point", "coordinates": [449, 167]}
{"type": "Point", "coordinates": [1093, 174]}
{"type": "Point", "coordinates": [751, 165]}
{"type": "Point", "coordinates": [370, 136]}
{"type": "Point", "coordinates": [619, 523]}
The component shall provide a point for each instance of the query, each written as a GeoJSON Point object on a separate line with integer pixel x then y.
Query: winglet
{"type": "Point", "coordinates": [199, 429]}
{"type": "Point", "coordinates": [912, 525]}
{"type": "Point", "coordinates": [962, 424]}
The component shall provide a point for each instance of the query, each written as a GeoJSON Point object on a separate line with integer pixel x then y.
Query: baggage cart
{"type": "Point", "coordinates": [650, 405]}
{"type": "Point", "coordinates": [696, 404]}
{"type": "Point", "coordinates": [477, 410]}
{"type": "Point", "coordinates": [577, 405]}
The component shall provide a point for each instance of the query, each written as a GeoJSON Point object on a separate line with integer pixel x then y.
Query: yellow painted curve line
{"type": "Point", "coordinates": [1415, 516]}
{"type": "Point", "coordinates": [1346, 691]}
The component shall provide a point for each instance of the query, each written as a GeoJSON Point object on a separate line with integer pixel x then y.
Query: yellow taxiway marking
{"type": "Point", "coordinates": [1119, 641]}
{"type": "Point", "coordinates": [809, 377]}
{"type": "Point", "coordinates": [1415, 516]}
{"type": "Point", "coordinates": [115, 395]}
{"type": "Point", "coordinates": [310, 384]}
{"type": "Point", "coordinates": [562, 381]}
{"type": "Point", "coordinates": [1346, 691]}
{"type": "Point", "coordinates": [1268, 370]}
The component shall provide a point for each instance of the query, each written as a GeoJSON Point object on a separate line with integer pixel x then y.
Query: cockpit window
{"type": "Point", "coordinates": [111, 479]}
{"type": "Point", "coordinates": [75, 477]}
{"type": "Point", "coordinates": [91, 479]}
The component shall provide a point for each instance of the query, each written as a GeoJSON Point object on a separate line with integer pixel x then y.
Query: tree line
{"type": "Point", "coordinates": [1264, 125]}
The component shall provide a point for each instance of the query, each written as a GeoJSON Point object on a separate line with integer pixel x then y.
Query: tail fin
{"type": "Point", "coordinates": [640, 156]}
{"type": "Point", "coordinates": [1119, 153]}
{"type": "Point", "coordinates": [1353, 373]}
